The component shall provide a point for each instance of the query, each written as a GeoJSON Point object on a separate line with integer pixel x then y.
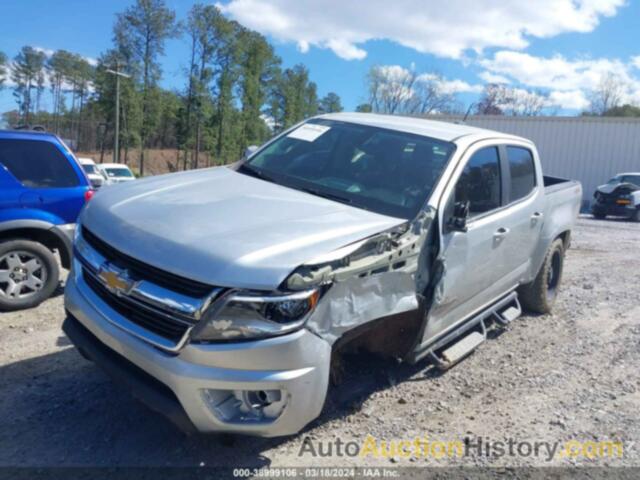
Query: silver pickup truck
{"type": "Point", "coordinates": [223, 297]}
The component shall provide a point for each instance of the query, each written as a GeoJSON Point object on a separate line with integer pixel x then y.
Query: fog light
{"type": "Point", "coordinates": [245, 406]}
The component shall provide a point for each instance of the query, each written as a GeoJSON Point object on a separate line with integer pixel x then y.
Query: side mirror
{"type": "Point", "coordinates": [458, 221]}
{"type": "Point", "coordinates": [251, 149]}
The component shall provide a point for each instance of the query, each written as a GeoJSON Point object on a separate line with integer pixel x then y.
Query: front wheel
{"type": "Point", "coordinates": [29, 274]}
{"type": "Point", "coordinates": [540, 295]}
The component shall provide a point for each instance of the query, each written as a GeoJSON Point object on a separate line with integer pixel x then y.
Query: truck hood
{"type": "Point", "coordinates": [225, 228]}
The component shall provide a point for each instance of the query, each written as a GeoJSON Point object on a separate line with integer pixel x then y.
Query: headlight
{"type": "Point", "coordinates": [252, 316]}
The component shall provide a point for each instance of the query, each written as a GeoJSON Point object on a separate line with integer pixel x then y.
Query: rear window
{"type": "Point", "coordinates": [523, 173]}
{"type": "Point", "coordinates": [89, 168]}
{"type": "Point", "coordinates": [37, 164]}
{"type": "Point", "coordinates": [119, 172]}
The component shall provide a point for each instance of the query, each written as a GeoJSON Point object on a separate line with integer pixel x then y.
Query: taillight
{"type": "Point", "coordinates": [88, 195]}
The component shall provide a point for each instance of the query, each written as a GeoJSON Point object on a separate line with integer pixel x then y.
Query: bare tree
{"type": "Point", "coordinates": [428, 96]}
{"type": "Point", "coordinates": [608, 94]}
{"type": "Point", "coordinates": [3, 69]}
{"type": "Point", "coordinates": [491, 100]}
{"type": "Point", "coordinates": [390, 88]}
{"type": "Point", "coordinates": [499, 99]}
{"type": "Point", "coordinates": [393, 89]}
{"type": "Point", "coordinates": [520, 102]}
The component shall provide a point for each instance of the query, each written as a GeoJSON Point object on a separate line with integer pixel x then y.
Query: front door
{"type": "Point", "coordinates": [476, 268]}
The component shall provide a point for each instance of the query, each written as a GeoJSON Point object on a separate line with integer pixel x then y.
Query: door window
{"type": "Point", "coordinates": [480, 182]}
{"type": "Point", "coordinates": [37, 164]}
{"type": "Point", "coordinates": [523, 173]}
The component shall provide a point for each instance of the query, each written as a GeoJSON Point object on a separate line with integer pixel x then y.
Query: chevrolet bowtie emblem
{"type": "Point", "coordinates": [116, 281]}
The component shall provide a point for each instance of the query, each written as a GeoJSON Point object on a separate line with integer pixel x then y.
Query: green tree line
{"type": "Point", "coordinates": [236, 91]}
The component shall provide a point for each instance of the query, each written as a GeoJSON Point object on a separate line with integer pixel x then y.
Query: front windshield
{"type": "Point", "coordinates": [376, 169]}
{"type": "Point", "coordinates": [90, 168]}
{"type": "Point", "coordinates": [634, 179]}
{"type": "Point", "coordinates": [119, 172]}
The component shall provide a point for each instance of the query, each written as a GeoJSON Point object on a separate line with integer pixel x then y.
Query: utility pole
{"type": "Point", "coordinates": [116, 147]}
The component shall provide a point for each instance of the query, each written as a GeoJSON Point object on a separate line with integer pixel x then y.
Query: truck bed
{"type": "Point", "coordinates": [552, 184]}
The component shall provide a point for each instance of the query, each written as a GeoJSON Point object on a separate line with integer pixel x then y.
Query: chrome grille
{"type": "Point", "coordinates": [147, 298]}
{"type": "Point", "coordinates": [143, 270]}
{"type": "Point", "coordinates": [156, 322]}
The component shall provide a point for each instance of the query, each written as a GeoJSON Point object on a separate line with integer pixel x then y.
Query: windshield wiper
{"type": "Point", "coordinates": [244, 168]}
{"type": "Point", "coordinates": [254, 173]}
{"type": "Point", "coordinates": [330, 196]}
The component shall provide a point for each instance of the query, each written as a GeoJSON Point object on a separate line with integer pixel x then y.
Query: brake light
{"type": "Point", "coordinates": [88, 195]}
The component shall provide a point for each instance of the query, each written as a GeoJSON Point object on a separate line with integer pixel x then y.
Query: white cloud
{"type": "Point", "coordinates": [568, 81]}
{"type": "Point", "coordinates": [555, 72]}
{"type": "Point", "coordinates": [346, 50]}
{"type": "Point", "coordinates": [428, 27]}
{"type": "Point", "coordinates": [494, 78]}
{"type": "Point", "coordinates": [569, 100]}
{"type": "Point", "coordinates": [47, 51]}
{"type": "Point", "coordinates": [635, 61]}
{"type": "Point", "coordinates": [397, 77]}
{"type": "Point", "coordinates": [452, 86]}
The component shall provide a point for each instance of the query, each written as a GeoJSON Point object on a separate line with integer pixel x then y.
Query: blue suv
{"type": "Point", "coordinates": [42, 190]}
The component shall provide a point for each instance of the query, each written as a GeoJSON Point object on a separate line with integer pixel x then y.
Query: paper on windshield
{"type": "Point", "coordinates": [308, 132]}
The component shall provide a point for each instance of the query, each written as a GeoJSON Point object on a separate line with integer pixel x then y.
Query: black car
{"type": "Point", "coordinates": [620, 196]}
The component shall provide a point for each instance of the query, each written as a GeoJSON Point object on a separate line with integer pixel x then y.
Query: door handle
{"type": "Point", "coordinates": [537, 215]}
{"type": "Point", "coordinates": [501, 232]}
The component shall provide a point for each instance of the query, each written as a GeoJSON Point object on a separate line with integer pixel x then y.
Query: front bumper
{"type": "Point", "coordinates": [613, 209]}
{"type": "Point", "coordinates": [296, 364]}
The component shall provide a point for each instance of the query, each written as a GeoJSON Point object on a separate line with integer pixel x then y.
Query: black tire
{"type": "Point", "coordinates": [539, 295]}
{"type": "Point", "coordinates": [636, 215]}
{"type": "Point", "coordinates": [36, 268]}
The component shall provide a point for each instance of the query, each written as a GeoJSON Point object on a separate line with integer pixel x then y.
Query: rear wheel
{"type": "Point", "coordinates": [29, 274]}
{"type": "Point", "coordinates": [540, 295]}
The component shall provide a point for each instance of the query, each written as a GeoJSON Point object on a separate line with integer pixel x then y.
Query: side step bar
{"type": "Point", "coordinates": [502, 312]}
{"type": "Point", "coordinates": [506, 316]}
{"type": "Point", "coordinates": [458, 350]}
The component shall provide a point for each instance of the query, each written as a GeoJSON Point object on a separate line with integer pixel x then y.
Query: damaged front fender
{"type": "Point", "coordinates": [377, 277]}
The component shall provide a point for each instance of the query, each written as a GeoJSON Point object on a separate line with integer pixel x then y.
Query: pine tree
{"type": "Point", "coordinates": [28, 74]}
{"type": "Point", "coordinates": [140, 34]}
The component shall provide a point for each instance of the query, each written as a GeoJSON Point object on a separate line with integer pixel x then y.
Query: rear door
{"type": "Point", "coordinates": [524, 199]}
{"type": "Point", "coordinates": [49, 176]}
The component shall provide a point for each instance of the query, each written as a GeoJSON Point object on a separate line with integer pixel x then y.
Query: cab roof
{"type": "Point", "coordinates": [446, 131]}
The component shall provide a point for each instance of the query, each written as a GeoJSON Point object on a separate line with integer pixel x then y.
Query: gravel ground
{"type": "Point", "coordinates": [572, 375]}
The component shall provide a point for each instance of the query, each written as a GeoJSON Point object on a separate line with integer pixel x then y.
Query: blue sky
{"type": "Point", "coordinates": [560, 47]}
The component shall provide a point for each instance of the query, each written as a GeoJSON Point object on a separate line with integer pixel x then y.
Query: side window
{"type": "Point", "coordinates": [37, 164]}
{"type": "Point", "coordinates": [523, 172]}
{"type": "Point", "coordinates": [480, 182]}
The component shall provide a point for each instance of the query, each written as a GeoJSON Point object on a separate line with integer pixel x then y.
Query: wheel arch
{"type": "Point", "coordinates": [566, 238]}
{"type": "Point", "coordinates": [42, 232]}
